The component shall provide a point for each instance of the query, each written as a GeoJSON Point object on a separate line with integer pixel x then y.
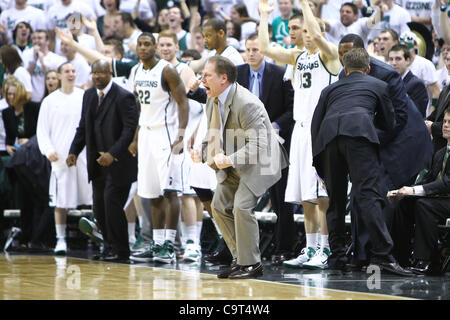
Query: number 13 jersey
{"type": "Point", "coordinates": [156, 107]}
{"type": "Point", "coordinates": [311, 76]}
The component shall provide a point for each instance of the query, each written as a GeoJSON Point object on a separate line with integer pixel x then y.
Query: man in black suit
{"type": "Point", "coordinates": [425, 205]}
{"type": "Point", "coordinates": [277, 96]}
{"type": "Point", "coordinates": [400, 59]}
{"type": "Point", "coordinates": [107, 126]}
{"type": "Point", "coordinates": [435, 119]}
{"type": "Point", "coordinates": [345, 142]}
{"type": "Point", "coordinates": [409, 140]}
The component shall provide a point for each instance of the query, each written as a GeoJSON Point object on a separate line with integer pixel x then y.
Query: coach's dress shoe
{"type": "Point", "coordinates": [278, 259]}
{"type": "Point", "coordinates": [222, 256]}
{"type": "Point", "coordinates": [394, 268]}
{"type": "Point", "coordinates": [226, 273]}
{"type": "Point", "coordinates": [247, 272]}
{"type": "Point", "coordinates": [421, 267]}
{"type": "Point", "coordinates": [114, 257]}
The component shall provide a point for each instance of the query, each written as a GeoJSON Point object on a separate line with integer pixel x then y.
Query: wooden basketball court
{"type": "Point", "coordinates": [28, 277]}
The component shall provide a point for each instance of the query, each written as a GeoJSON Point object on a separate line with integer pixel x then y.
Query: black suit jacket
{"type": "Point", "coordinates": [277, 95]}
{"type": "Point", "coordinates": [417, 91]}
{"type": "Point", "coordinates": [118, 117]}
{"type": "Point", "coordinates": [352, 106]}
{"type": "Point", "coordinates": [437, 116]}
{"type": "Point", "coordinates": [407, 149]}
{"type": "Point", "coordinates": [30, 114]}
{"type": "Point", "coordinates": [441, 186]}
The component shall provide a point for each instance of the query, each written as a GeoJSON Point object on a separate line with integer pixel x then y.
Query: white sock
{"type": "Point", "coordinates": [60, 230]}
{"type": "Point", "coordinates": [183, 236]}
{"type": "Point", "coordinates": [131, 229]}
{"type": "Point", "coordinates": [170, 235]}
{"type": "Point", "coordinates": [191, 232]}
{"type": "Point", "coordinates": [311, 240]}
{"type": "Point", "coordinates": [199, 232]}
{"type": "Point", "coordinates": [158, 236]}
{"type": "Point", "coordinates": [140, 221]}
{"type": "Point", "coordinates": [324, 241]}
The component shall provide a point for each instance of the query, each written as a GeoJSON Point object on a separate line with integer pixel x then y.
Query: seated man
{"type": "Point", "coordinates": [425, 206]}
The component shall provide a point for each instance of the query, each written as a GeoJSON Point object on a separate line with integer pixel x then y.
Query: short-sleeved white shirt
{"type": "Point", "coordinates": [82, 69]}
{"type": "Point", "coordinates": [230, 53]}
{"type": "Point", "coordinates": [419, 8]}
{"type": "Point", "coordinates": [51, 60]}
{"type": "Point", "coordinates": [35, 17]}
{"type": "Point", "coordinates": [23, 76]}
{"type": "Point", "coordinates": [424, 69]}
{"type": "Point", "coordinates": [443, 77]}
{"type": "Point", "coordinates": [397, 19]}
{"type": "Point", "coordinates": [338, 30]}
{"type": "Point", "coordinates": [144, 12]}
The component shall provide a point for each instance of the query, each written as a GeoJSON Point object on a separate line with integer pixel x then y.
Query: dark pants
{"type": "Point", "coordinates": [285, 226]}
{"type": "Point", "coordinates": [360, 159]}
{"type": "Point", "coordinates": [108, 204]}
{"type": "Point", "coordinates": [426, 214]}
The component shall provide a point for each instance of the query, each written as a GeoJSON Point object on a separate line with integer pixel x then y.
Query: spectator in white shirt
{"type": "Point", "coordinates": [443, 74]}
{"type": "Point", "coordinates": [350, 22]}
{"type": "Point", "coordinates": [387, 39]}
{"type": "Point", "coordinates": [420, 10]}
{"type": "Point", "coordinates": [13, 65]}
{"type": "Point", "coordinates": [22, 37]}
{"type": "Point", "coordinates": [58, 14]}
{"type": "Point", "coordinates": [82, 68]}
{"type": "Point", "coordinates": [22, 12]}
{"type": "Point", "coordinates": [393, 17]}
{"type": "Point", "coordinates": [125, 28]}
{"type": "Point", "coordinates": [38, 60]}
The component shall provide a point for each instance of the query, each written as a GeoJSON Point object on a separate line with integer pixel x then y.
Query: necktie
{"type": "Point", "coordinates": [213, 134]}
{"type": "Point", "coordinates": [255, 87]}
{"type": "Point", "coordinates": [101, 95]}
{"type": "Point", "coordinates": [444, 163]}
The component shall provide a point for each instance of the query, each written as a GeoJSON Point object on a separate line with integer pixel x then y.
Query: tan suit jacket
{"type": "Point", "coordinates": [249, 140]}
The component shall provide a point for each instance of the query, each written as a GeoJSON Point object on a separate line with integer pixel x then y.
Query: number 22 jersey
{"type": "Point", "coordinates": [156, 107]}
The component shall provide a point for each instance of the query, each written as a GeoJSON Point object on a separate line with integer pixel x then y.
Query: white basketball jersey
{"type": "Point", "coordinates": [156, 107]}
{"type": "Point", "coordinates": [310, 78]}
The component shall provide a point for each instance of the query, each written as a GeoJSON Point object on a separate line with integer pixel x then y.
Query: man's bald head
{"type": "Point", "coordinates": [101, 73]}
{"type": "Point", "coordinates": [102, 64]}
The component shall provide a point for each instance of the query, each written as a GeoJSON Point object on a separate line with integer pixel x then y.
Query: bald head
{"type": "Point", "coordinates": [101, 73]}
{"type": "Point", "coordinates": [102, 65]}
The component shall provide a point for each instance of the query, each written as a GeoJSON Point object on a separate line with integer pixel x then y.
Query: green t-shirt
{"type": "Point", "coordinates": [122, 69]}
{"type": "Point", "coordinates": [280, 31]}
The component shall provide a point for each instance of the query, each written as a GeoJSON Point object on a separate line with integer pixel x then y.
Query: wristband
{"type": "Point", "coordinates": [443, 8]}
{"type": "Point", "coordinates": [434, 101]}
{"type": "Point", "coordinates": [414, 190]}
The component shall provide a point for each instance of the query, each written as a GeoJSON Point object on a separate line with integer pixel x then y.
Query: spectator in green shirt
{"type": "Point", "coordinates": [280, 24]}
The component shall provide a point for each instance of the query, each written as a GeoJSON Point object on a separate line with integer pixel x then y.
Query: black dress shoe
{"type": "Point", "coordinates": [395, 268]}
{"type": "Point", "coordinates": [220, 257]}
{"type": "Point", "coordinates": [247, 272]}
{"type": "Point", "coordinates": [37, 248]}
{"type": "Point", "coordinates": [116, 258]}
{"type": "Point", "coordinates": [421, 267]}
{"type": "Point", "coordinates": [232, 268]}
{"type": "Point", "coordinates": [278, 259]}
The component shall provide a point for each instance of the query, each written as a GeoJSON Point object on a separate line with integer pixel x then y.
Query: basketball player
{"type": "Point", "coordinates": [167, 47]}
{"type": "Point", "coordinates": [58, 120]}
{"type": "Point", "coordinates": [159, 142]}
{"type": "Point", "coordinates": [314, 68]}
